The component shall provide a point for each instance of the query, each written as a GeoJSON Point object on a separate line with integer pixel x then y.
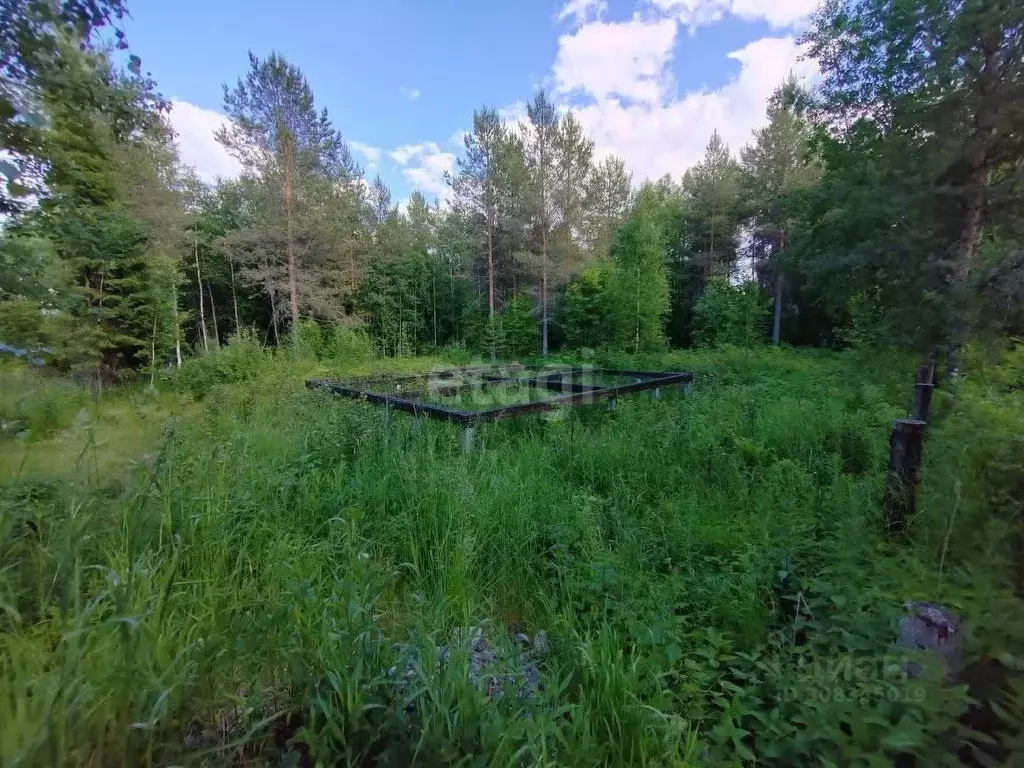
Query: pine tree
{"type": "Point", "coordinates": [573, 159]}
{"type": "Point", "coordinates": [711, 189]}
{"type": "Point", "coordinates": [937, 87]}
{"type": "Point", "coordinates": [773, 167]}
{"type": "Point", "coordinates": [541, 132]}
{"type": "Point", "coordinates": [474, 186]}
{"type": "Point", "coordinates": [638, 290]}
{"type": "Point", "coordinates": [607, 204]}
{"type": "Point", "coordinates": [284, 144]}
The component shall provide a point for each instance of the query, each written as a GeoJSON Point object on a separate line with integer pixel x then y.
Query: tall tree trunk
{"type": "Point", "coordinates": [974, 199]}
{"type": "Point", "coordinates": [202, 310]}
{"type": "Point", "coordinates": [273, 317]}
{"type": "Point", "coordinates": [433, 298]}
{"type": "Point", "coordinates": [152, 355]}
{"type": "Point", "coordinates": [177, 331]}
{"type": "Point", "coordinates": [638, 308]}
{"type": "Point", "coordinates": [490, 277]}
{"type": "Point", "coordinates": [490, 265]}
{"type": "Point", "coordinates": [289, 192]}
{"type": "Point", "coordinates": [234, 296]}
{"type": "Point", "coordinates": [213, 313]}
{"type": "Point", "coordinates": [777, 322]}
{"type": "Point", "coordinates": [544, 294]}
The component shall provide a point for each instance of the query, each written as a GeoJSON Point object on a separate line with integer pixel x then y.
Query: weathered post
{"type": "Point", "coordinates": [468, 436]}
{"type": "Point", "coordinates": [906, 450]}
{"type": "Point", "coordinates": [922, 401]}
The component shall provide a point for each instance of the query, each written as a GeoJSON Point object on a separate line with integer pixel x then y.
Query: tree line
{"type": "Point", "coordinates": [882, 207]}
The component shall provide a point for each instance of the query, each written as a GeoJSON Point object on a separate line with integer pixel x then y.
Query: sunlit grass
{"type": "Point", "coordinates": [232, 578]}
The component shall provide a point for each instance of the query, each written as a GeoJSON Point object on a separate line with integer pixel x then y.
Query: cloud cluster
{"type": "Point", "coordinates": [618, 78]}
{"type": "Point", "coordinates": [581, 10]}
{"type": "Point", "coordinates": [698, 13]}
{"type": "Point", "coordinates": [424, 166]}
{"type": "Point", "coordinates": [197, 147]}
{"type": "Point", "coordinates": [369, 153]}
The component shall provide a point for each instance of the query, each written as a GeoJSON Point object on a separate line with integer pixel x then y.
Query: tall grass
{"type": "Point", "coordinates": [243, 590]}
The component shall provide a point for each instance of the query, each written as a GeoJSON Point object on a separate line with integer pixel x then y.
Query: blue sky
{"type": "Point", "coordinates": [650, 79]}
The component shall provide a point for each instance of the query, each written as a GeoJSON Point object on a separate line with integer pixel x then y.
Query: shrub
{"type": "Point", "coordinates": [520, 332]}
{"type": "Point", "coordinates": [35, 404]}
{"type": "Point", "coordinates": [731, 314]}
{"type": "Point", "coordinates": [239, 360]}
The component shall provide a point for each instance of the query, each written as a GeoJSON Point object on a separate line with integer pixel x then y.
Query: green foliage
{"type": "Point", "coordinates": [731, 314]}
{"type": "Point", "coordinates": [34, 406]}
{"type": "Point", "coordinates": [638, 292]}
{"type": "Point", "coordinates": [337, 342]}
{"type": "Point", "coordinates": [238, 361]}
{"type": "Point", "coordinates": [520, 334]}
{"type": "Point", "coordinates": [323, 553]}
{"type": "Point", "coordinates": [585, 313]}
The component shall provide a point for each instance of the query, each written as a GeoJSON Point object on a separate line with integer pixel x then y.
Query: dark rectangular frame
{"type": "Point", "coordinates": [553, 379]}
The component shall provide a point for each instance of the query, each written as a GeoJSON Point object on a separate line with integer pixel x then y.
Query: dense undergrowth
{"type": "Point", "coordinates": [227, 571]}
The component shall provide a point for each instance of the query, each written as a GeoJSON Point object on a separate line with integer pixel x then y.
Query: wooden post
{"type": "Point", "coordinates": [922, 401]}
{"type": "Point", "coordinates": [906, 449]}
{"type": "Point", "coordinates": [468, 435]}
{"type": "Point", "coordinates": [611, 403]}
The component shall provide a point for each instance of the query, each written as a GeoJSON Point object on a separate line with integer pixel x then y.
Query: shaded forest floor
{"type": "Point", "coordinates": [240, 570]}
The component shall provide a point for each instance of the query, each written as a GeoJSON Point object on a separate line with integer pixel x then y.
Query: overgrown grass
{"type": "Point", "coordinates": [240, 589]}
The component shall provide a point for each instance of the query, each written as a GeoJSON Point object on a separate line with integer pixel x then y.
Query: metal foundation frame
{"type": "Point", "coordinates": [453, 381]}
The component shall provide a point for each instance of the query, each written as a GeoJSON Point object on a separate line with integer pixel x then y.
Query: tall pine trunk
{"type": "Point", "coordinates": [202, 309]}
{"type": "Point", "coordinates": [234, 296]}
{"type": "Point", "coordinates": [177, 331]}
{"type": "Point", "coordinates": [974, 200]}
{"type": "Point", "coordinates": [213, 314]}
{"type": "Point", "coordinates": [544, 293]}
{"type": "Point", "coordinates": [289, 192]}
{"type": "Point", "coordinates": [777, 320]}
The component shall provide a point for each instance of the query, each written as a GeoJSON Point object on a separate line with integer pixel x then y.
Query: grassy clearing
{"type": "Point", "coordinates": [227, 571]}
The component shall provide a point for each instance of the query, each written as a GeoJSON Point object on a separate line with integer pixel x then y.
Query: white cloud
{"type": "Point", "coordinates": [407, 152]}
{"type": "Point", "coordinates": [513, 113]}
{"type": "Point", "coordinates": [370, 153]}
{"type": "Point", "coordinates": [581, 10]}
{"type": "Point", "coordinates": [424, 166]}
{"type": "Point", "coordinates": [697, 13]}
{"type": "Point", "coordinates": [196, 145]}
{"type": "Point", "coordinates": [410, 93]}
{"type": "Point", "coordinates": [638, 116]}
{"type": "Point", "coordinates": [626, 60]}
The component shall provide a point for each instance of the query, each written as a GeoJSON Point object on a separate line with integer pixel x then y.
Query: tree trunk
{"type": "Point", "coordinates": [777, 322]}
{"type": "Point", "coordinates": [490, 264]}
{"type": "Point", "coordinates": [490, 276]}
{"type": "Point", "coordinates": [974, 199]}
{"type": "Point", "coordinates": [213, 314]}
{"type": "Point", "coordinates": [289, 191]}
{"type": "Point", "coordinates": [433, 298]}
{"type": "Point", "coordinates": [234, 296]}
{"type": "Point", "coordinates": [543, 246]}
{"type": "Point", "coordinates": [152, 355]}
{"type": "Point", "coordinates": [177, 331]}
{"type": "Point", "coordinates": [202, 309]}
{"type": "Point", "coordinates": [638, 308]}
{"type": "Point", "coordinates": [273, 317]}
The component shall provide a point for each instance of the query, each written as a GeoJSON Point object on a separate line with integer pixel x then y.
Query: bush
{"type": "Point", "coordinates": [731, 314]}
{"type": "Point", "coordinates": [37, 405]}
{"type": "Point", "coordinates": [520, 332]}
{"type": "Point", "coordinates": [239, 360]}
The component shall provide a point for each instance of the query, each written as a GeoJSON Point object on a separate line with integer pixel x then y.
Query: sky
{"type": "Point", "coordinates": [649, 79]}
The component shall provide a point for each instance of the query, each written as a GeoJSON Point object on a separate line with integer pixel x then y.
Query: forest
{"type": "Point", "coordinates": [203, 563]}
